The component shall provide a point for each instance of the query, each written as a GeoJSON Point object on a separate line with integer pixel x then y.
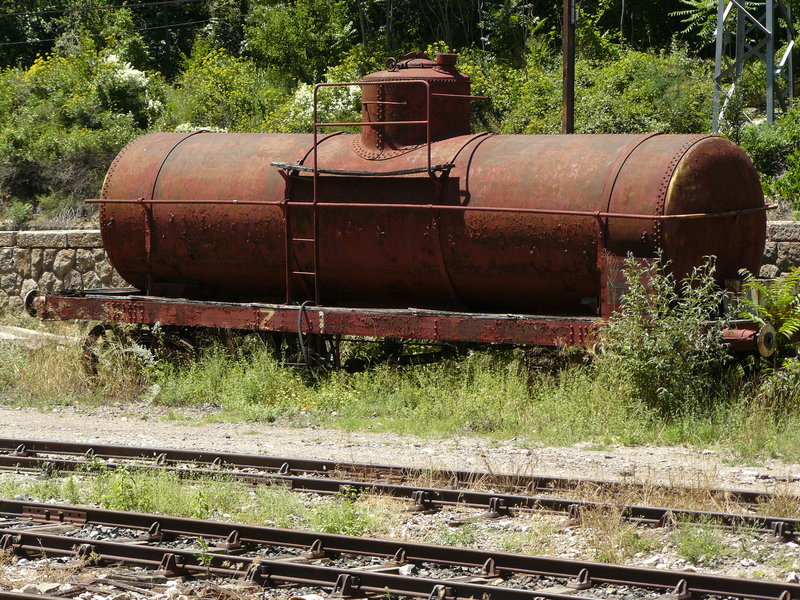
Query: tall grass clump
{"type": "Point", "coordinates": [254, 387]}
{"type": "Point", "coordinates": [665, 342]}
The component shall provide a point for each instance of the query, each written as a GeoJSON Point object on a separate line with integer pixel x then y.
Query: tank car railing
{"type": "Point", "coordinates": [457, 208]}
{"type": "Point", "coordinates": [317, 125]}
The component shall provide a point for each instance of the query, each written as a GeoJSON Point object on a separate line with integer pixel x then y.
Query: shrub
{"type": "Point", "coordinates": [644, 92]}
{"type": "Point", "coordinates": [787, 186]}
{"type": "Point", "coordinates": [18, 212]}
{"type": "Point", "coordinates": [220, 91]}
{"type": "Point", "coordinates": [63, 119]}
{"type": "Point", "coordinates": [665, 341]}
{"type": "Point", "coordinates": [300, 40]}
{"type": "Point", "coordinates": [769, 146]}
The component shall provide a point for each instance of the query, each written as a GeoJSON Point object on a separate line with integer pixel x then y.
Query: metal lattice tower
{"type": "Point", "coordinates": [754, 38]}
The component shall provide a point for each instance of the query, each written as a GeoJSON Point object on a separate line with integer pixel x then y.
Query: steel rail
{"type": "Point", "coordinates": [23, 447]}
{"type": "Point", "coordinates": [428, 498]}
{"type": "Point", "coordinates": [272, 571]}
{"type": "Point", "coordinates": [4, 595]}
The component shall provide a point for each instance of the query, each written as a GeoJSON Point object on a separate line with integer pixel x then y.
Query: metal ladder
{"type": "Point", "coordinates": [309, 273]}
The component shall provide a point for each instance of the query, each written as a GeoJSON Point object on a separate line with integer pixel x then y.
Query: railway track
{"type": "Point", "coordinates": [348, 566]}
{"type": "Point", "coordinates": [325, 477]}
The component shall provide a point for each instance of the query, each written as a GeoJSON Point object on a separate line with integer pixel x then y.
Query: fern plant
{"type": "Point", "coordinates": [775, 301]}
{"type": "Point", "coordinates": [700, 16]}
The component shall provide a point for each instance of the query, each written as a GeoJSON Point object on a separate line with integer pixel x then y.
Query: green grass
{"type": "Point", "coordinates": [488, 394]}
{"type": "Point", "coordinates": [701, 544]}
{"type": "Point", "coordinates": [165, 492]}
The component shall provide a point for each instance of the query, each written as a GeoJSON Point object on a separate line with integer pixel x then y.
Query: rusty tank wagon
{"type": "Point", "coordinates": [415, 228]}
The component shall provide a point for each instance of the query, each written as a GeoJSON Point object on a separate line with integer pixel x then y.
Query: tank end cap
{"type": "Point", "coordinates": [766, 340]}
{"type": "Point", "coordinates": [28, 299]}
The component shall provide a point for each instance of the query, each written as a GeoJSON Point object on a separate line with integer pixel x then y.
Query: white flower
{"type": "Point", "coordinates": [189, 127]}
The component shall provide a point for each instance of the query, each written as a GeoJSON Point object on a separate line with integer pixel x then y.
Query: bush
{"type": "Point", "coordinates": [301, 40]}
{"type": "Point", "coordinates": [643, 92]}
{"type": "Point", "coordinates": [666, 340]}
{"type": "Point", "coordinates": [217, 90]}
{"type": "Point", "coordinates": [18, 212]}
{"type": "Point", "coordinates": [63, 119]}
{"type": "Point", "coordinates": [769, 146]}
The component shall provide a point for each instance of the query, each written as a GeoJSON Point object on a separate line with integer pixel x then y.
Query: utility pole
{"type": "Point", "coordinates": [568, 85]}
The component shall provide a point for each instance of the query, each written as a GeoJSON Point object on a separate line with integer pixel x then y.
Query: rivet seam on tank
{"type": "Point", "coordinates": [166, 158]}
{"type": "Point", "coordinates": [665, 181]}
{"type": "Point", "coordinates": [102, 217]}
{"type": "Point", "coordinates": [381, 116]}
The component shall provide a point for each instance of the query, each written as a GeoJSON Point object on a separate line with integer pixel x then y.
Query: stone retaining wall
{"type": "Point", "coordinates": [783, 248]}
{"type": "Point", "coordinates": [52, 260]}
{"type": "Point", "coordinates": [56, 260]}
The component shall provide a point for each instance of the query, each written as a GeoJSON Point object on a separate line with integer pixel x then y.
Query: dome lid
{"type": "Point", "coordinates": [418, 65]}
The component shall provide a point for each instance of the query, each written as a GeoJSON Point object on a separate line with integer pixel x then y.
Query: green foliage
{"type": "Point", "coordinates": [627, 92]}
{"type": "Point", "coordinates": [256, 387]}
{"type": "Point", "coordinates": [775, 302]}
{"type": "Point", "coordinates": [770, 146]}
{"type": "Point", "coordinates": [343, 516]}
{"type": "Point", "coordinates": [461, 536]}
{"type": "Point", "coordinates": [778, 392]}
{"type": "Point", "coordinates": [63, 119]}
{"type": "Point", "coordinates": [299, 40]}
{"type": "Point", "coordinates": [700, 544]}
{"type": "Point", "coordinates": [643, 92]}
{"type": "Point", "coordinates": [787, 186]}
{"type": "Point", "coordinates": [217, 90]}
{"type": "Point", "coordinates": [665, 341]}
{"type": "Point", "coordinates": [18, 213]}
{"type": "Point", "coordinates": [699, 17]}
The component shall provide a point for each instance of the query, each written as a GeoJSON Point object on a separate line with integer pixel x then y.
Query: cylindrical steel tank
{"type": "Point", "coordinates": [417, 255]}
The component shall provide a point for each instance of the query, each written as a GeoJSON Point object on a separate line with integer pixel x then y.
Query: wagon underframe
{"type": "Point", "coordinates": [128, 306]}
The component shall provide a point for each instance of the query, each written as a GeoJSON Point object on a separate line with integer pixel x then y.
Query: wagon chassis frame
{"type": "Point", "coordinates": [132, 306]}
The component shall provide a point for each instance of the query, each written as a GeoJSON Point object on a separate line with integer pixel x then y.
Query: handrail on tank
{"type": "Point", "coordinates": [501, 209]}
{"type": "Point", "coordinates": [426, 122]}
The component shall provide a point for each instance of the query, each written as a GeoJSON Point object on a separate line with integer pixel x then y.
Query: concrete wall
{"type": "Point", "coordinates": [52, 260]}
{"type": "Point", "coordinates": [55, 260]}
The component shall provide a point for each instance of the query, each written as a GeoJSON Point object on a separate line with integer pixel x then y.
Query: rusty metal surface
{"type": "Point", "coordinates": [429, 498]}
{"type": "Point", "coordinates": [395, 100]}
{"type": "Point", "coordinates": [474, 261]}
{"type": "Point", "coordinates": [23, 449]}
{"type": "Point", "coordinates": [218, 221]}
{"type": "Point", "coordinates": [413, 324]}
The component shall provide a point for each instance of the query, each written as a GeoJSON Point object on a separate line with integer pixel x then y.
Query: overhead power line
{"type": "Point", "coordinates": [171, 26]}
{"type": "Point", "coordinates": [59, 11]}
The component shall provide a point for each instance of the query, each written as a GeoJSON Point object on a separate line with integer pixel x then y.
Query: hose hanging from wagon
{"type": "Point", "coordinates": [300, 312]}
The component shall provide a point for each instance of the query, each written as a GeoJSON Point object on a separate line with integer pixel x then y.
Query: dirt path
{"type": "Point", "coordinates": [675, 465]}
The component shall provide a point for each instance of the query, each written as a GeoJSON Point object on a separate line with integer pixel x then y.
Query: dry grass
{"type": "Point", "coordinates": [53, 373]}
{"type": "Point", "coordinates": [610, 537]}
{"type": "Point", "coordinates": [784, 502]}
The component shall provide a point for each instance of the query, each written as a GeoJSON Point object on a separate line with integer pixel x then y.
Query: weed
{"type": "Point", "coordinates": [700, 543]}
{"type": "Point", "coordinates": [612, 539]}
{"type": "Point", "coordinates": [665, 342]}
{"type": "Point", "coordinates": [535, 539]}
{"type": "Point", "coordinates": [201, 507]}
{"type": "Point", "coordinates": [274, 506]}
{"type": "Point", "coordinates": [344, 516]}
{"type": "Point", "coordinates": [122, 492]}
{"type": "Point", "coordinates": [462, 536]}
{"type": "Point", "coordinates": [18, 213]}
{"type": "Point", "coordinates": [203, 555]}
